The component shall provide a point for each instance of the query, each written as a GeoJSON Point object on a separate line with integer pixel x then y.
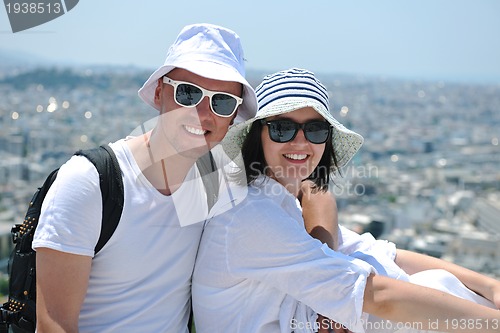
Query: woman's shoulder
{"type": "Point", "coordinates": [259, 202]}
{"type": "Point", "coordinates": [266, 194]}
{"type": "Point", "coordinates": [255, 202]}
{"type": "Point", "coordinates": [258, 207]}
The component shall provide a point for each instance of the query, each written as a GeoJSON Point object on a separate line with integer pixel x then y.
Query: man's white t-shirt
{"type": "Point", "coordinates": [140, 281]}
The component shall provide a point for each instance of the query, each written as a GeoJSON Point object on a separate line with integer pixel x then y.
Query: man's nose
{"type": "Point", "coordinates": [204, 110]}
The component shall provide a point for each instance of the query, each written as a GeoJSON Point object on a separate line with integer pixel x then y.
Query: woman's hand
{"type": "Point", "coordinates": [319, 211]}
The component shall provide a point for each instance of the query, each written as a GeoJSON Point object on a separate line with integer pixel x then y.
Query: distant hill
{"type": "Point", "coordinates": [53, 77]}
{"type": "Point", "coordinates": [19, 66]}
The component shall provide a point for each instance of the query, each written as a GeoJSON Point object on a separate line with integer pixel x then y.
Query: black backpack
{"type": "Point", "coordinates": [19, 312]}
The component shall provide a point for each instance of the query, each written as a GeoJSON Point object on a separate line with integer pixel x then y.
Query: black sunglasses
{"type": "Point", "coordinates": [189, 95]}
{"type": "Point", "coordinates": [285, 130]}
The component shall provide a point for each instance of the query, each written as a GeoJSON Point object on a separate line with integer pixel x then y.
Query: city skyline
{"type": "Point", "coordinates": [426, 176]}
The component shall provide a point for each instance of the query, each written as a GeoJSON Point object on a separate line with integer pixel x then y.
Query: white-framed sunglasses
{"type": "Point", "coordinates": [187, 94]}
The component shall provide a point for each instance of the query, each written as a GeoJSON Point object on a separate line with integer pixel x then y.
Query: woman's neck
{"type": "Point", "coordinates": [291, 185]}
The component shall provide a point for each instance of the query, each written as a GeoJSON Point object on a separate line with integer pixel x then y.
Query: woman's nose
{"type": "Point", "coordinates": [300, 138]}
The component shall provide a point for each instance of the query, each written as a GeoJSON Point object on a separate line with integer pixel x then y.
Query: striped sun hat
{"type": "Point", "coordinates": [287, 91]}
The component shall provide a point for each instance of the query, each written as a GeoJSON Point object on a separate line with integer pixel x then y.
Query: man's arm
{"type": "Point", "coordinates": [487, 287]}
{"type": "Point", "coordinates": [319, 211]}
{"type": "Point", "coordinates": [62, 281]}
{"type": "Point", "coordinates": [432, 309]}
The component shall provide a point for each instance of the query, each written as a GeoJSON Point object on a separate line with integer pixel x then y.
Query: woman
{"type": "Point", "coordinates": [258, 270]}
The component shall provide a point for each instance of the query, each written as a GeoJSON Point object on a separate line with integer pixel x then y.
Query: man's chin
{"type": "Point", "coordinates": [195, 152]}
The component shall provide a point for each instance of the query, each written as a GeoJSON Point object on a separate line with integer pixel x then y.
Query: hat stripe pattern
{"type": "Point", "coordinates": [293, 83]}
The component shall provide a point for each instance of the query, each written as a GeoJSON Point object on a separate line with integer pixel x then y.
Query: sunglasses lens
{"type": "Point", "coordinates": [282, 130]}
{"type": "Point", "coordinates": [188, 95]}
{"type": "Point", "coordinates": [317, 132]}
{"type": "Point", "coordinates": [223, 105]}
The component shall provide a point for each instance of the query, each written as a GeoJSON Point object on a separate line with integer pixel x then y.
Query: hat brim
{"type": "Point", "coordinates": [345, 142]}
{"type": "Point", "coordinates": [210, 70]}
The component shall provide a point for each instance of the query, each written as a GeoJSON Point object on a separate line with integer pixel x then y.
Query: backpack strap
{"type": "Point", "coordinates": [111, 184]}
{"type": "Point", "coordinates": [32, 214]}
{"type": "Point", "coordinates": [206, 166]}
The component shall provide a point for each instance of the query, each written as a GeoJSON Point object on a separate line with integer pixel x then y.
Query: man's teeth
{"type": "Point", "coordinates": [195, 131]}
{"type": "Point", "coordinates": [296, 156]}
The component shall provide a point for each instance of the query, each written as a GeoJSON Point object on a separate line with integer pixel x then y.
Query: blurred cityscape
{"type": "Point", "coordinates": [426, 178]}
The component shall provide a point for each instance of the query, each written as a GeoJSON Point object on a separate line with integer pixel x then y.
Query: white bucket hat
{"type": "Point", "coordinates": [210, 51]}
{"type": "Point", "coordinates": [287, 91]}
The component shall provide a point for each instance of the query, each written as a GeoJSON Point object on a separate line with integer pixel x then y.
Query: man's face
{"type": "Point", "coordinates": [192, 131]}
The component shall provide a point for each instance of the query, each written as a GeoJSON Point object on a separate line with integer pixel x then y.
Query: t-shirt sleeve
{"type": "Point", "coordinates": [267, 245]}
{"type": "Point", "coordinates": [70, 220]}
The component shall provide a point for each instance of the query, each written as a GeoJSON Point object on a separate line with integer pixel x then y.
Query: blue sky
{"type": "Point", "coordinates": [433, 39]}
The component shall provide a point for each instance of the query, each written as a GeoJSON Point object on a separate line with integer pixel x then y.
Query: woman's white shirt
{"type": "Point", "coordinates": [251, 258]}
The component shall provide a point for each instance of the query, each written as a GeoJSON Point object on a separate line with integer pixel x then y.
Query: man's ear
{"type": "Point", "coordinates": [158, 90]}
{"type": "Point", "coordinates": [234, 117]}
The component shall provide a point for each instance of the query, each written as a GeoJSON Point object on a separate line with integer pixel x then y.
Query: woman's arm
{"type": "Point", "coordinates": [319, 211]}
{"type": "Point", "coordinates": [487, 287]}
{"type": "Point", "coordinates": [426, 308]}
{"type": "Point", "coordinates": [421, 307]}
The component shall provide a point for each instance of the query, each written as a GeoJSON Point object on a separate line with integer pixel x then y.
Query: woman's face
{"type": "Point", "coordinates": [291, 162]}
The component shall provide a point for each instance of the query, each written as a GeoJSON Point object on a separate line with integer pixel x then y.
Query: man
{"type": "Point", "coordinates": [140, 281]}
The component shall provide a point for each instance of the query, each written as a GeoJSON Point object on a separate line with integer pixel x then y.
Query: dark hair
{"type": "Point", "coordinates": [255, 163]}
